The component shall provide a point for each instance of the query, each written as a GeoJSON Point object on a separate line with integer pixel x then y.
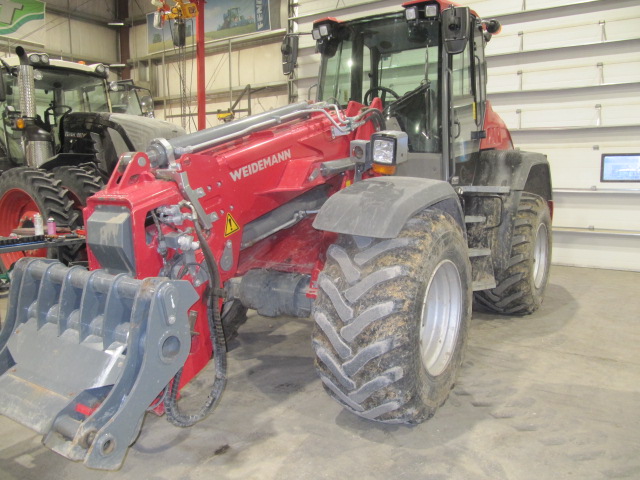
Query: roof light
{"type": "Point", "coordinates": [315, 33]}
{"type": "Point", "coordinates": [324, 30]}
{"type": "Point", "coordinates": [411, 13]}
{"type": "Point", "coordinates": [102, 70]}
{"type": "Point", "coordinates": [431, 11]}
{"type": "Point", "coordinates": [39, 59]}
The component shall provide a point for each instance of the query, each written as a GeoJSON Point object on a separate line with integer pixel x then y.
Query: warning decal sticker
{"type": "Point", "coordinates": [231, 226]}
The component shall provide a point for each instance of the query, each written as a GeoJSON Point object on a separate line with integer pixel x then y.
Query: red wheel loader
{"type": "Point", "coordinates": [381, 210]}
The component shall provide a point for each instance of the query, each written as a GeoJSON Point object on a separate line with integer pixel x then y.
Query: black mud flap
{"type": "Point", "coordinates": [84, 353]}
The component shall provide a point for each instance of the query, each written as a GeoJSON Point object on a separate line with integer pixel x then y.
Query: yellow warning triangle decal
{"type": "Point", "coordinates": [231, 226]}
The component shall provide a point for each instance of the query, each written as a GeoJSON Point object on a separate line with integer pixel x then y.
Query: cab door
{"type": "Point", "coordinates": [463, 122]}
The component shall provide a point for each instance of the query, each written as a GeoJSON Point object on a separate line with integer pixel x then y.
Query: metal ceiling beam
{"type": "Point", "coordinates": [76, 15]}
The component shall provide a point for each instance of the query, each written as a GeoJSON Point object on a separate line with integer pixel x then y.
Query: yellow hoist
{"type": "Point", "coordinates": [182, 10]}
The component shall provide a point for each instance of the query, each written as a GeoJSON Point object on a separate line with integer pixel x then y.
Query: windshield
{"type": "Point", "coordinates": [379, 52]}
{"type": "Point", "coordinates": [60, 91]}
{"type": "Point", "coordinates": [381, 57]}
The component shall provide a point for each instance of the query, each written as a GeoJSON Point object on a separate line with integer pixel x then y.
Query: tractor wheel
{"type": "Point", "coordinates": [81, 181]}
{"type": "Point", "coordinates": [24, 192]}
{"type": "Point", "coordinates": [520, 287]}
{"type": "Point", "coordinates": [392, 318]}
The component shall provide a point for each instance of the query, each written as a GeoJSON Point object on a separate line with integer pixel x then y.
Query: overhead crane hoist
{"type": "Point", "coordinates": [183, 10]}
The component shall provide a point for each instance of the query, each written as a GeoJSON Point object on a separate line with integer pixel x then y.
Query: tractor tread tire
{"type": "Point", "coordinates": [82, 182]}
{"type": "Point", "coordinates": [366, 335]}
{"type": "Point", "coordinates": [515, 292]}
{"type": "Point", "coordinates": [48, 194]}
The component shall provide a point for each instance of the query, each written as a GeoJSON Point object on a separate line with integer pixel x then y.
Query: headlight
{"type": "Point", "coordinates": [34, 58]}
{"type": "Point", "coordinates": [389, 148]}
{"type": "Point", "coordinates": [44, 58]}
{"type": "Point", "coordinates": [383, 151]}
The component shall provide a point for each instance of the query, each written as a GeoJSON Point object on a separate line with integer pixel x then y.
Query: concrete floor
{"type": "Point", "coordinates": [550, 396]}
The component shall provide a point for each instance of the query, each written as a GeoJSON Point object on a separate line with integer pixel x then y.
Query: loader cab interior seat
{"type": "Point", "coordinates": [416, 114]}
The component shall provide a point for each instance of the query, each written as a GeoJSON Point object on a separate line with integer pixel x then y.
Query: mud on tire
{"type": "Point", "coordinates": [520, 287]}
{"type": "Point", "coordinates": [373, 353]}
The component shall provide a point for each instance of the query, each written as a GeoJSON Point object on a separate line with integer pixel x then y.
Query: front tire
{"type": "Point", "coordinates": [520, 287]}
{"type": "Point", "coordinates": [392, 319]}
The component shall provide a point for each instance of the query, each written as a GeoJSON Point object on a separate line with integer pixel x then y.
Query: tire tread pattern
{"type": "Point", "coordinates": [352, 346]}
{"type": "Point", "coordinates": [49, 195]}
{"type": "Point", "coordinates": [514, 293]}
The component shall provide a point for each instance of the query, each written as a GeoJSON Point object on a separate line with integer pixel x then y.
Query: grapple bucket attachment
{"type": "Point", "coordinates": [84, 353]}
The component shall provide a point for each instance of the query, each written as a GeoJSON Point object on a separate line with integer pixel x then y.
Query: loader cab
{"type": "Point", "coordinates": [427, 66]}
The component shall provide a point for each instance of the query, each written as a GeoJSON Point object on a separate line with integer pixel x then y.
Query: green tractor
{"type": "Point", "coordinates": [63, 129]}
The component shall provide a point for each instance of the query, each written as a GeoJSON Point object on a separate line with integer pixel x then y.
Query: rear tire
{"type": "Point", "coordinates": [25, 191]}
{"type": "Point", "coordinates": [520, 287]}
{"type": "Point", "coordinates": [392, 317]}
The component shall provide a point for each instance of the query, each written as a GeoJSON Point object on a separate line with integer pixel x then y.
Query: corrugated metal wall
{"type": "Point", "coordinates": [81, 35]}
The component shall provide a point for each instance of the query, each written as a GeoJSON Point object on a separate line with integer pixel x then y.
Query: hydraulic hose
{"type": "Point", "coordinates": [174, 415]}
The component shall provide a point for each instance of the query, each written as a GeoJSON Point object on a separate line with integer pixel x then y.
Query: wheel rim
{"type": "Point", "coordinates": [441, 318]}
{"type": "Point", "coordinates": [540, 253]}
{"type": "Point", "coordinates": [17, 209]}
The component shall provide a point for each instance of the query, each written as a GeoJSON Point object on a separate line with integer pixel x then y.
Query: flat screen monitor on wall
{"type": "Point", "coordinates": [620, 167]}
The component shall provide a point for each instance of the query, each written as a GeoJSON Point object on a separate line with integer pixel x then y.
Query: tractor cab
{"type": "Point", "coordinates": [37, 94]}
{"type": "Point", "coordinates": [427, 67]}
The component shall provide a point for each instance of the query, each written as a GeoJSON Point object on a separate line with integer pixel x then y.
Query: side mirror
{"type": "Point", "coordinates": [456, 23]}
{"type": "Point", "coordinates": [289, 49]}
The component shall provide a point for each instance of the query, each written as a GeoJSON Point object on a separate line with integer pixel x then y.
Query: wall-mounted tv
{"type": "Point", "coordinates": [620, 167]}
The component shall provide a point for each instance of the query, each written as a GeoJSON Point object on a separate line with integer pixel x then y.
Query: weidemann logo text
{"type": "Point", "coordinates": [261, 164]}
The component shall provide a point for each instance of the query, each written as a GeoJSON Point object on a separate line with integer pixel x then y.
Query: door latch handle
{"type": "Point", "coordinates": [458, 130]}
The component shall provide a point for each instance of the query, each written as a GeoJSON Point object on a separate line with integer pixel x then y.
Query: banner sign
{"type": "Point", "coordinates": [222, 19]}
{"type": "Point", "coordinates": [23, 20]}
